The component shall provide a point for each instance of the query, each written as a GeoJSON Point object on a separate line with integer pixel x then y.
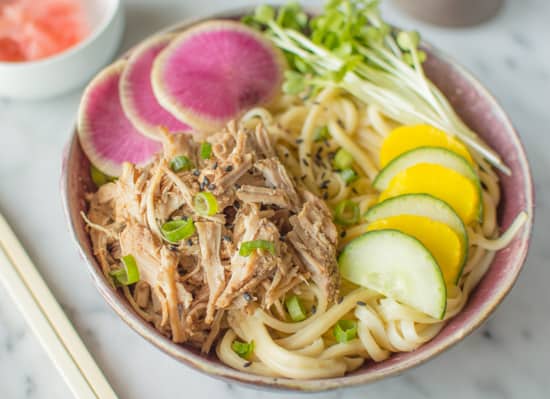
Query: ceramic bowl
{"type": "Point", "coordinates": [482, 113]}
{"type": "Point", "coordinates": [71, 68]}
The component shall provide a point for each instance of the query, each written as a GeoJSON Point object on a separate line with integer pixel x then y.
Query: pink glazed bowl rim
{"type": "Point", "coordinates": [514, 259]}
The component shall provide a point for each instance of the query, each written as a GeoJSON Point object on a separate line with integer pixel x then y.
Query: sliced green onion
{"type": "Point", "coordinates": [99, 178]}
{"type": "Point", "coordinates": [206, 204]}
{"type": "Point", "coordinates": [243, 349]}
{"type": "Point", "coordinates": [342, 159]}
{"type": "Point", "coordinates": [348, 175]}
{"type": "Point", "coordinates": [248, 247]}
{"type": "Point", "coordinates": [347, 213]}
{"type": "Point", "coordinates": [321, 133]}
{"type": "Point", "coordinates": [181, 162]}
{"type": "Point", "coordinates": [345, 330]}
{"type": "Point", "coordinates": [127, 275]}
{"type": "Point", "coordinates": [206, 150]}
{"type": "Point", "coordinates": [295, 309]}
{"type": "Point", "coordinates": [177, 230]}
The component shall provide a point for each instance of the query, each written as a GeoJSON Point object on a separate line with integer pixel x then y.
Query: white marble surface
{"type": "Point", "coordinates": [507, 358]}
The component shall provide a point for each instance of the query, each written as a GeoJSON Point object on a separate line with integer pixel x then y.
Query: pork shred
{"type": "Point", "coordinates": [186, 287]}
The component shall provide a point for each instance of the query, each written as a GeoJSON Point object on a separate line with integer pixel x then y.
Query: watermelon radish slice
{"type": "Point", "coordinates": [215, 71]}
{"type": "Point", "coordinates": [107, 137]}
{"type": "Point", "coordinates": [136, 93]}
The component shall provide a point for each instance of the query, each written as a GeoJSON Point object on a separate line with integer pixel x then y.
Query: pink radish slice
{"type": "Point", "coordinates": [107, 137]}
{"type": "Point", "coordinates": [215, 71]}
{"type": "Point", "coordinates": [136, 93]}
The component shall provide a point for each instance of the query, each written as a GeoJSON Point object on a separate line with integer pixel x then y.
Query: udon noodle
{"type": "Point", "coordinates": [307, 349]}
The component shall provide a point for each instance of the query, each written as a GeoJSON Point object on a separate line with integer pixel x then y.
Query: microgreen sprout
{"type": "Point", "coordinates": [349, 46]}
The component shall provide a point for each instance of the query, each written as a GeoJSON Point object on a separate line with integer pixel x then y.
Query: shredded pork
{"type": "Point", "coordinates": [185, 288]}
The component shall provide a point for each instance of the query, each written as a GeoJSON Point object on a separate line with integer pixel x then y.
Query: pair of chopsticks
{"type": "Point", "coordinates": [47, 320]}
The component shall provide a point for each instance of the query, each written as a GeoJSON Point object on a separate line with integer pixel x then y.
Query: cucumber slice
{"type": "Point", "coordinates": [422, 205]}
{"type": "Point", "coordinates": [397, 266]}
{"type": "Point", "coordinates": [433, 155]}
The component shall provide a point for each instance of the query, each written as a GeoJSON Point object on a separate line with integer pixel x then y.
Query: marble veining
{"type": "Point", "coordinates": [506, 358]}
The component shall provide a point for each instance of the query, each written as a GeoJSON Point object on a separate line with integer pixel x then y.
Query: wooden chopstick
{"type": "Point", "coordinates": [48, 321]}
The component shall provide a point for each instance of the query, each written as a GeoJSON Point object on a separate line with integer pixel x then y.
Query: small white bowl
{"type": "Point", "coordinates": [75, 66]}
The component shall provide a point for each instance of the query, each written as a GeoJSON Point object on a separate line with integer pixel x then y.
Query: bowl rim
{"type": "Point", "coordinates": [69, 52]}
{"type": "Point", "coordinates": [221, 371]}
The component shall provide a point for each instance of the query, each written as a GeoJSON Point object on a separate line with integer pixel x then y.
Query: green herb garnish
{"type": "Point", "coordinates": [205, 150]}
{"type": "Point", "coordinates": [243, 349]}
{"type": "Point", "coordinates": [205, 204]}
{"type": "Point", "coordinates": [181, 163]}
{"type": "Point", "coordinates": [295, 309]}
{"type": "Point", "coordinates": [127, 275]}
{"type": "Point", "coordinates": [248, 247]}
{"type": "Point", "coordinates": [347, 212]}
{"type": "Point", "coordinates": [177, 230]}
{"type": "Point", "coordinates": [345, 330]}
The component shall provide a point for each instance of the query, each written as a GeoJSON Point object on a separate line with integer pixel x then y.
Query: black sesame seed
{"type": "Point", "coordinates": [247, 364]}
{"type": "Point", "coordinates": [196, 172]}
{"type": "Point", "coordinates": [205, 182]}
{"type": "Point", "coordinates": [354, 190]}
{"type": "Point", "coordinates": [313, 309]}
{"type": "Point", "coordinates": [361, 303]}
{"type": "Point", "coordinates": [340, 123]}
{"type": "Point", "coordinates": [324, 184]}
{"type": "Point", "coordinates": [303, 177]}
{"type": "Point", "coordinates": [325, 195]}
{"type": "Point", "coordinates": [247, 297]}
{"type": "Point", "coordinates": [305, 161]}
{"type": "Point", "coordinates": [228, 168]}
{"type": "Point", "coordinates": [287, 154]}
{"type": "Point", "coordinates": [173, 247]}
{"type": "Point", "coordinates": [211, 186]}
{"type": "Point", "coordinates": [340, 299]}
{"type": "Point", "coordinates": [227, 238]}
{"type": "Point", "coordinates": [343, 233]}
{"type": "Point", "coordinates": [237, 186]}
{"type": "Point", "coordinates": [215, 165]}
{"type": "Point", "coordinates": [190, 242]}
{"type": "Point", "coordinates": [299, 141]}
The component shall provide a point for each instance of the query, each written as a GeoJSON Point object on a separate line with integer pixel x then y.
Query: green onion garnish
{"type": "Point", "coordinates": [206, 204]}
{"type": "Point", "coordinates": [243, 349]}
{"type": "Point", "coordinates": [206, 150]}
{"type": "Point", "coordinates": [346, 213]}
{"type": "Point", "coordinates": [295, 309]}
{"type": "Point", "coordinates": [127, 275]}
{"type": "Point", "coordinates": [345, 330]}
{"type": "Point", "coordinates": [342, 159]}
{"type": "Point", "coordinates": [348, 175]}
{"type": "Point", "coordinates": [177, 230]}
{"type": "Point", "coordinates": [99, 178]}
{"type": "Point", "coordinates": [321, 133]}
{"type": "Point", "coordinates": [248, 247]}
{"type": "Point", "coordinates": [181, 162]}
